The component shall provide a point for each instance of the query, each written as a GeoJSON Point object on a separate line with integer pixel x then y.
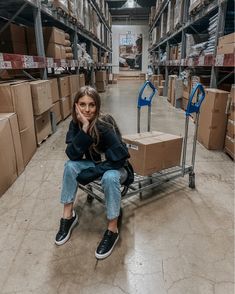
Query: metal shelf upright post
{"type": "Point", "coordinates": [39, 35]}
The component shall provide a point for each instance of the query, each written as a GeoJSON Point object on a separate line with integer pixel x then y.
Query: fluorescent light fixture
{"type": "Point", "coordinates": [131, 4]}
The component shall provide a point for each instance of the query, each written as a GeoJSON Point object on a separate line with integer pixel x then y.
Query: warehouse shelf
{"type": "Point", "coordinates": [23, 12]}
{"type": "Point", "coordinates": [191, 22]}
{"type": "Point", "coordinates": [222, 60]}
{"type": "Point", "coordinates": [100, 14]}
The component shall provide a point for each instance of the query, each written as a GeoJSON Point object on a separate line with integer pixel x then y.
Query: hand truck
{"type": "Point", "coordinates": [143, 183]}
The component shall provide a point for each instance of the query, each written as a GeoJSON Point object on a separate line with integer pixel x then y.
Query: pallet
{"type": "Point", "coordinates": [43, 140]}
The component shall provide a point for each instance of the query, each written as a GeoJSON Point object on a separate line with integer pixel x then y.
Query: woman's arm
{"type": "Point", "coordinates": [78, 142]}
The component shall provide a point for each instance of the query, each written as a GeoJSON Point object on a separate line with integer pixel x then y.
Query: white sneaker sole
{"type": "Point", "coordinates": [69, 233]}
{"type": "Point", "coordinates": [103, 256]}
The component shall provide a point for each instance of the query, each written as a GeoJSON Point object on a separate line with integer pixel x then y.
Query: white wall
{"type": "Point", "coordinates": [135, 29]}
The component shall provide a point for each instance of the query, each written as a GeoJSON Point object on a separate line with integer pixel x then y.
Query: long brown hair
{"type": "Point", "coordinates": [104, 119]}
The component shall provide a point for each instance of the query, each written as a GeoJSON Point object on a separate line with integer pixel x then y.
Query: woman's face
{"type": "Point", "coordinates": [87, 107]}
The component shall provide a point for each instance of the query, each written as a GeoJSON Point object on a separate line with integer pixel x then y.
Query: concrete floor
{"type": "Point", "coordinates": [178, 241]}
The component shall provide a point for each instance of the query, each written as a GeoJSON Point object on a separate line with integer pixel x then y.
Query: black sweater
{"type": "Point", "coordinates": [78, 143]}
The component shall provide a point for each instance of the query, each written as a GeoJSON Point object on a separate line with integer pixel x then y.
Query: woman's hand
{"type": "Point", "coordinates": [82, 119]}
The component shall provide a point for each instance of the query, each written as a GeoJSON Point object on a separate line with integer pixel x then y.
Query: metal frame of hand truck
{"type": "Point", "coordinates": [144, 183]}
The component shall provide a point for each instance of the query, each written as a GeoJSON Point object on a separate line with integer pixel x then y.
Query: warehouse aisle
{"type": "Point", "coordinates": [177, 241]}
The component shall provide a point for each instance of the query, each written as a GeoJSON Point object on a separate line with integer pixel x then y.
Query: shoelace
{"type": "Point", "coordinates": [63, 224]}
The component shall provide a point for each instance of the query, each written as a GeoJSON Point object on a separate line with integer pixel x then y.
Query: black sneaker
{"type": "Point", "coordinates": [66, 226]}
{"type": "Point", "coordinates": [107, 244]}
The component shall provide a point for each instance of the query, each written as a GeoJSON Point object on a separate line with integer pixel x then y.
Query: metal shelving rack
{"type": "Point", "coordinates": [34, 13]}
{"type": "Point", "coordinates": [213, 61]}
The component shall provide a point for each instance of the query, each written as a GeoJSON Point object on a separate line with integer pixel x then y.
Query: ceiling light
{"type": "Point", "coordinates": [131, 4]}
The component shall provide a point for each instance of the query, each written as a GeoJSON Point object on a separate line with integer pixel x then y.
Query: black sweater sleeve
{"type": "Point", "coordinates": [78, 142]}
{"type": "Point", "coordinates": [116, 154]}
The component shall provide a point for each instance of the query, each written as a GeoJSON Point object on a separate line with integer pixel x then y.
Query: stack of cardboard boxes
{"type": "Point", "coordinates": [42, 102]}
{"type": "Point", "coordinates": [18, 141]}
{"type": "Point", "coordinates": [100, 78]}
{"type": "Point", "coordinates": [213, 119]}
{"type": "Point", "coordinates": [171, 89]}
{"type": "Point", "coordinates": [55, 108]}
{"type": "Point", "coordinates": [65, 98]}
{"type": "Point", "coordinates": [226, 44]}
{"type": "Point", "coordinates": [25, 119]}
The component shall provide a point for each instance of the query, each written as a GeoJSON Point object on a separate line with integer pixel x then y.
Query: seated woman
{"type": "Point", "coordinates": [90, 136]}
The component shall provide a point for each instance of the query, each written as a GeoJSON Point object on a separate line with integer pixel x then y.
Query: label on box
{"type": "Point", "coordinates": [132, 146]}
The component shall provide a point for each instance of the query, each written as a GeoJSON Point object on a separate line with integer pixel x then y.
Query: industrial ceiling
{"type": "Point", "coordinates": [140, 9]}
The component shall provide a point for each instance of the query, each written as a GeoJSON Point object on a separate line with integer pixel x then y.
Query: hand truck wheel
{"type": "Point", "coordinates": [192, 180]}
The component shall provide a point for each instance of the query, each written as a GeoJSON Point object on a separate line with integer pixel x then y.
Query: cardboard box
{"type": "Point", "coordinates": [42, 126]}
{"type": "Point", "coordinates": [74, 83]}
{"type": "Point", "coordinates": [231, 129]}
{"type": "Point", "coordinates": [65, 107]}
{"type": "Point", "coordinates": [226, 49]}
{"type": "Point", "coordinates": [64, 86]}
{"type": "Point", "coordinates": [232, 94]}
{"type": "Point", "coordinates": [41, 96]}
{"type": "Point", "coordinates": [213, 119]}
{"type": "Point", "coordinates": [100, 76]}
{"type": "Point", "coordinates": [171, 88]}
{"type": "Point", "coordinates": [12, 40]}
{"type": "Point", "coordinates": [8, 121]}
{"type": "Point", "coordinates": [53, 35]}
{"type": "Point", "coordinates": [82, 80]}
{"type": "Point", "coordinates": [227, 39]}
{"type": "Point", "coordinates": [56, 109]}
{"type": "Point", "coordinates": [28, 143]}
{"type": "Point", "coordinates": [153, 151]}
{"type": "Point", "coordinates": [72, 97]}
{"type": "Point", "coordinates": [100, 86]}
{"type": "Point", "coordinates": [160, 90]}
{"type": "Point", "coordinates": [230, 146]}
{"type": "Point", "coordinates": [63, 53]}
{"type": "Point", "coordinates": [8, 155]}
{"type": "Point", "coordinates": [16, 97]}
{"type": "Point", "coordinates": [54, 90]}
{"type": "Point", "coordinates": [53, 50]}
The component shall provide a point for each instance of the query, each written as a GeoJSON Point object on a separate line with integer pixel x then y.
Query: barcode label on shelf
{"type": "Point", "coordinates": [63, 62]}
{"type": "Point", "coordinates": [5, 64]}
{"type": "Point", "coordinates": [50, 62]}
{"type": "Point", "coordinates": [190, 62]}
{"type": "Point", "coordinates": [219, 60]}
{"type": "Point", "coordinates": [28, 61]}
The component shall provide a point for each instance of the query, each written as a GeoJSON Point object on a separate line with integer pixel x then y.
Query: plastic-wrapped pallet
{"type": "Point", "coordinates": [178, 13]}
{"type": "Point", "coordinates": [80, 12]}
{"type": "Point", "coordinates": [60, 4]}
{"type": "Point", "coordinates": [195, 5]}
{"type": "Point", "coordinates": [212, 32]}
{"type": "Point", "coordinates": [72, 6]}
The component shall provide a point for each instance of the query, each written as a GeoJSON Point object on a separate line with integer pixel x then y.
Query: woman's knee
{"type": "Point", "coordinates": [111, 177]}
{"type": "Point", "coordinates": [71, 166]}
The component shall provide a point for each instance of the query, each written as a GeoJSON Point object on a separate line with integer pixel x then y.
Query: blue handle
{"type": "Point", "coordinates": [146, 100]}
{"type": "Point", "coordinates": [195, 107]}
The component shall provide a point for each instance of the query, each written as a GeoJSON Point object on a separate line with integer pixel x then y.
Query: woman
{"type": "Point", "coordinates": [90, 135]}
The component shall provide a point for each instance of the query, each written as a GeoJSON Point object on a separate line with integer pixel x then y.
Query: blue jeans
{"type": "Point", "coordinates": [110, 183]}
